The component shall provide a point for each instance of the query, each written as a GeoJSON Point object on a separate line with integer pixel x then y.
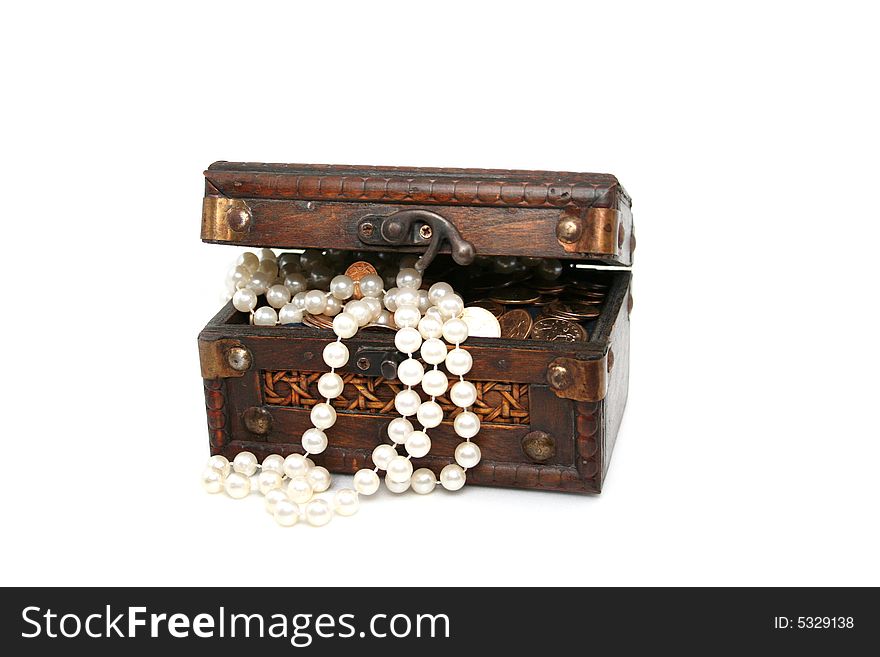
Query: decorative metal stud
{"type": "Point", "coordinates": [257, 420]}
{"type": "Point", "coordinates": [239, 359]}
{"type": "Point", "coordinates": [539, 446]}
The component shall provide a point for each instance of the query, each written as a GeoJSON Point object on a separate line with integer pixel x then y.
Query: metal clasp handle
{"type": "Point", "coordinates": [397, 229]}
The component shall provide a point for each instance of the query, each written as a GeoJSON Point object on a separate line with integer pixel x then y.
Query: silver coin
{"type": "Point", "coordinates": [481, 323]}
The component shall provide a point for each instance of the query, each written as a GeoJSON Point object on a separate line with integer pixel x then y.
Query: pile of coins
{"type": "Point", "coordinates": [532, 298]}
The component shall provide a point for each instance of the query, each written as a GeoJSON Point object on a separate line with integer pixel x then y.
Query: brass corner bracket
{"type": "Point", "coordinates": [225, 219]}
{"type": "Point", "coordinates": [597, 230]}
{"type": "Point", "coordinates": [580, 380]}
{"type": "Point", "coordinates": [224, 359]}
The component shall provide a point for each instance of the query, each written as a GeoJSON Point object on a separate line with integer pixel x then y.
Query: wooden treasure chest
{"type": "Point", "coordinates": [523, 245]}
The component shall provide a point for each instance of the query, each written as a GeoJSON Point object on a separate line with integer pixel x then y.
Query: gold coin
{"type": "Point", "coordinates": [515, 296]}
{"type": "Point", "coordinates": [516, 324]}
{"type": "Point", "coordinates": [573, 310]}
{"type": "Point", "coordinates": [495, 308]}
{"type": "Point", "coordinates": [356, 271]}
{"type": "Point", "coordinates": [558, 330]}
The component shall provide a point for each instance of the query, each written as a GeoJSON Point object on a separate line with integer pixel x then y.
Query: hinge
{"type": "Point", "coordinates": [581, 380]}
{"type": "Point", "coordinates": [225, 219]}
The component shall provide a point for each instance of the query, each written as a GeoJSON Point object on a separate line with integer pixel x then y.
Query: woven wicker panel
{"type": "Point", "coordinates": [499, 403]}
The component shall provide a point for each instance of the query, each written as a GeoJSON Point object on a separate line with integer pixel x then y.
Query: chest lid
{"type": "Point", "coordinates": [546, 214]}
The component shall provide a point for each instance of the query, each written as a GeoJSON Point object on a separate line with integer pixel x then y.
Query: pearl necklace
{"type": "Point", "coordinates": [422, 317]}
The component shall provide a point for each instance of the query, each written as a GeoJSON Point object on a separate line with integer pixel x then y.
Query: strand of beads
{"type": "Point", "coordinates": [289, 486]}
{"type": "Point", "coordinates": [441, 318]}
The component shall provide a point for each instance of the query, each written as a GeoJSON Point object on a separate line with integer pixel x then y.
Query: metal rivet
{"type": "Point", "coordinates": [559, 377]}
{"type": "Point", "coordinates": [238, 218]}
{"type": "Point", "coordinates": [257, 420]}
{"type": "Point", "coordinates": [569, 229]}
{"type": "Point", "coordinates": [388, 368]}
{"type": "Point", "coordinates": [239, 359]}
{"type": "Point", "coordinates": [621, 233]}
{"type": "Point", "coordinates": [539, 446]}
{"type": "Point", "coordinates": [425, 232]}
{"type": "Point", "coordinates": [363, 363]}
{"type": "Point", "coordinates": [366, 229]}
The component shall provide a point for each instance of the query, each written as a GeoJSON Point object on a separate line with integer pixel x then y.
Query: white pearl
{"type": "Point", "coordinates": [296, 465]}
{"type": "Point", "coordinates": [407, 316]}
{"type": "Point", "coordinates": [346, 502]}
{"type": "Point", "coordinates": [365, 482]}
{"type": "Point", "coordinates": [410, 372]}
{"type": "Point", "coordinates": [382, 455]}
{"type": "Point", "coordinates": [430, 414]}
{"type": "Point", "coordinates": [407, 402]}
{"type": "Point", "coordinates": [399, 469]}
{"type": "Point", "coordinates": [342, 287]}
{"type": "Point", "coordinates": [267, 254]}
{"type": "Point", "coordinates": [407, 296]}
{"type": "Point", "coordinates": [424, 302]}
{"type": "Point", "coordinates": [330, 385]}
{"type": "Point", "coordinates": [265, 316]}
{"type": "Point", "coordinates": [296, 283]}
{"type": "Point", "coordinates": [371, 285]}
{"type": "Point", "coordinates": [333, 306]}
{"type": "Point", "coordinates": [439, 290]}
{"type": "Point", "coordinates": [375, 307]}
{"type": "Point", "coordinates": [450, 306]}
{"type": "Point", "coordinates": [319, 478]}
{"type": "Point", "coordinates": [390, 299]}
{"type": "Point", "coordinates": [408, 340]}
{"type": "Point", "coordinates": [245, 463]}
{"type": "Point", "coordinates": [467, 454]}
{"type": "Point", "coordinates": [463, 394]}
{"type": "Point", "coordinates": [430, 327]}
{"type": "Point", "coordinates": [359, 311]}
{"type": "Point", "coordinates": [396, 486]}
{"type": "Point", "coordinates": [315, 302]}
{"type": "Point", "coordinates": [466, 424]}
{"type": "Point", "coordinates": [335, 354]}
{"type": "Point", "coordinates": [268, 480]}
{"type": "Point", "coordinates": [459, 361]}
{"type": "Point", "coordinates": [310, 463]}
{"type": "Point", "coordinates": [323, 416]}
{"type": "Point", "coordinates": [299, 301]}
{"type": "Point", "coordinates": [435, 383]}
{"type": "Point", "coordinates": [244, 300]}
{"type": "Point", "coordinates": [220, 463]}
{"type": "Point", "coordinates": [344, 325]}
{"type": "Point", "coordinates": [399, 428]}
{"type": "Point", "coordinates": [418, 444]}
{"type": "Point", "coordinates": [423, 481]}
{"type": "Point", "coordinates": [409, 277]}
{"type": "Point", "coordinates": [434, 351]}
{"type": "Point", "coordinates": [249, 260]}
{"type": "Point", "coordinates": [290, 314]}
{"type": "Point", "coordinates": [277, 296]}
{"type": "Point", "coordinates": [286, 513]}
{"type": "Point", "coordinates": [452, 477]}
{"type": "Point", "coordinates": [273, 463]}
{"type": "Point", "coordinates": [239, 276]}
{"type": "Point", "coordinates": [237, 485]}
{"type": "Point", "coordinates": [455, 331]}
{"type": "Point", "coordinates": [314, 441]}
{"type": "Point", "coordinates": [273, 497]}
{"type": "Point", "coordinates": [269, 267]}
{"type": "Point", "coordinates": [260, 282]}
{"type": "Point", "coordinates": [385, 318]}
{"type": "Point", "coordinates": [318, 512]}
{"type": "Point", "coordinates": [212, 480]}
{"type": "Point", "coordinates": [299, 490]}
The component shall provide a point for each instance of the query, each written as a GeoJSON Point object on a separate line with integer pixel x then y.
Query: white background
{"type": "Point", "coordinates": [747, 137]}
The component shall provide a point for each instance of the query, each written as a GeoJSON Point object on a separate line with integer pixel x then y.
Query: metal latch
{"type": "Point", "coordinates": [377, 361]}
{"type": "Point", "coordinates": [414, 228]}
